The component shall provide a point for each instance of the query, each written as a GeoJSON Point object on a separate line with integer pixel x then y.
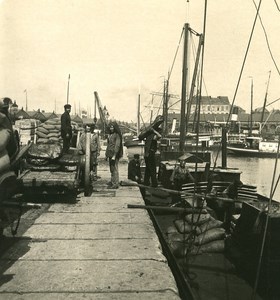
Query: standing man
{"type": "Point", "coordinates": [66, 128]}
{"type": "Point", "coordinates": [114, 152]}
{"type": "Point", "coordinates": [151, 137]}
{"type": "Point", "coordinates": [134, 170]}
{"type": "Point", "coordinates": [232, 193]}
{"type": "Point", "coordinates": [95, 149]}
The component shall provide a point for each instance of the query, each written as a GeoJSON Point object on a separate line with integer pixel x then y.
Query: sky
{"type": "Point", "coordinates": [125, 48]}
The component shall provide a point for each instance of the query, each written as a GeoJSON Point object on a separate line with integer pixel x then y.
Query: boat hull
{"type": "Point", "coordinates": [250, 152]}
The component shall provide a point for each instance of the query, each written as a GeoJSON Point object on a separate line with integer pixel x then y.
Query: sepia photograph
{"type": "Point", "coordinates": [139, 146]}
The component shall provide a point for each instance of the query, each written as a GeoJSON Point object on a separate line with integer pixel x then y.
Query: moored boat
{"type": "Point", "coordinates": [255, 147]}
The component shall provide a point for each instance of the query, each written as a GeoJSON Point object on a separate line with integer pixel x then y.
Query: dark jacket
{"type": "Point", "coordinates": [134, 170]}
{"type": "Point", "coordinates": [66, 127]}
{"type": "Point", "coordinates": [150, 142]}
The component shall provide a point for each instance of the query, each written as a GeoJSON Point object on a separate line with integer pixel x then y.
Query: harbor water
{"type": "Point", "coordinates": [256, 171]}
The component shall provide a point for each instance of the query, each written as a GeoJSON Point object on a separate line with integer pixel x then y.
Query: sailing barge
{"type": "Point", "coordinates": [209, 262]}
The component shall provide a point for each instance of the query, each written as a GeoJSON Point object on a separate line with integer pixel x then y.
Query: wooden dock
{"type": "Point", "coordinates": [96, 248]}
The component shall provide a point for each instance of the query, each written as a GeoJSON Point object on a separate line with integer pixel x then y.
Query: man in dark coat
{"type": "Point", "coordinates": [66, 128]}
{"type": "Point", "coordinates": [151, 137]}
{"type": "Point", "coordinates": [134, 170]}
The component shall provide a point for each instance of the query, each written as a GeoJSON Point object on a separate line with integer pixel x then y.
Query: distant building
{"type": "Point", "coordinates": [211, 105]}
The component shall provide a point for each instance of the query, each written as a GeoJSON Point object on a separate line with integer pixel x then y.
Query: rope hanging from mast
{"type": "Point", "coordinates": [241, 72]}
{"type": "Point", "coordinates": [244, 60]}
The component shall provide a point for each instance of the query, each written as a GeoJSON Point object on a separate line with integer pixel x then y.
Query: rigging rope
{"type": "Point", "coordinates": [266, 224]}
{"type": "Point", "coordinates": [276, 5]}
{"type": "Point", "coordinates": [175, 56]}
{"type": "Point", "coordinates": [244, 60]}
{"type": "Point", "coordinates": [240, 74]}
{"type": "Point", "coordinates": [267, 42]}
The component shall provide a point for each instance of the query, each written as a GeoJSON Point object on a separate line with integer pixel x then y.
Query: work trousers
{"type": "Point", "coordinates": [114, 169]}
{"type": "Point", "coordinates": [93, 163]}
{"type": "Point", "coordinates": [66, 144]}
{"type": "Point", "coordinates": [150, 170]}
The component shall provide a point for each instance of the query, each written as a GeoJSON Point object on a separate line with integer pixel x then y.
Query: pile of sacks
{"type": "Point", "coordinates": [196, 234]}
{"type": "Point", "coordinates": [49, 132]}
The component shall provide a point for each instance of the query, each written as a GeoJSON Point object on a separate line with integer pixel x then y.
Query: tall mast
{"type": "Point", "coordinates": [138, 115]}
{"type": "Point", "coordinates": [193, 80]}
{"type": "Point", "coordinates": [184, 91]}
{"type": "Point", "coordinates": [25, 100]}
{"type": "Point", "coordinates": [165, 107]}
{"type": "Point", "coordinates": [265, 99]}
{"type": "Point", "coordinates": [95, 118]}
{"type": "Point", "coordinates": [68, 89]}
{"type": "Point", "coordinates": [251, 114]}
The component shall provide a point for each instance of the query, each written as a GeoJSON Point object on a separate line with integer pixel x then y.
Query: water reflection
{"type": "Point", "coordinates": [256, 171]}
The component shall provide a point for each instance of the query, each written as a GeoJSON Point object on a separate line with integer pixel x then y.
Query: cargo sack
{"type": "Point", "coordinates": [49, 151]}
{"type": "Point", "coordinates": [42, 134]}
{"type": "Point", "coordinates": [54, 139]}
{"type": "Point", "coordinates": [42, 129]}
{"type": "Point", "coordinates": [4, 139]}
{"type": "Point", "coordinates": [197, 219]}
{"type": "Point", "coordinates": [42, 140]}
{"type": "Point", "coordinates": [210, 236]}
{"type": "Point", "coordinates": [213, 247]}
{"type": "Point", "coordinates": [146, 131]}
{"type": "Point", "coordinates": [53, 121]}
{"type": "Point", "coordinates": [178, 237]}
{"type": "Point", "coordinates": [181, 249]}
{"type": "Point", "coordinates": [210, 224]}
{"type": "Point", "coordinates": [48, 126]}
{"type": "Point", "coordinates": [53, 134]}
{"type": "Point", "coordinates": [171, 229]}
{"type": "Point", "coordinates": [54, 131]}
{"type": "Point", "coordinates": [183, 226]}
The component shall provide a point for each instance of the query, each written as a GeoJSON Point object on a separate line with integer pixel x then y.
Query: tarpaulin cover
{"type": "Point", "coordinates": [49, 151]}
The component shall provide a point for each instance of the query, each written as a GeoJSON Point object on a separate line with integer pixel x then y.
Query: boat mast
{"type": "Point", "coordinates": [251, 114]}
{"type": "Point", "coordinates": [165, 106]}
{"type": "Point", "coordinates": [184, 91]}
{"type": "Point", "coordinates": [68, 89]}
{"type": "Point", "coordinates": [138, 115]}
{"type": "Point", "coordinates": [265, 100]}
{"type": "Point", "coordinates": [200, 43]}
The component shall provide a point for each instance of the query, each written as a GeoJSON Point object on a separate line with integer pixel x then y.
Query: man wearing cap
{"type": "Point", "coordinates": [180, 175]}
{"type": "Point", "coordinates": [151, 137]}
{"type": "Point", "coordinates": [66, 128]}
{"type": "Point", "coordinates": [134, 171]}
